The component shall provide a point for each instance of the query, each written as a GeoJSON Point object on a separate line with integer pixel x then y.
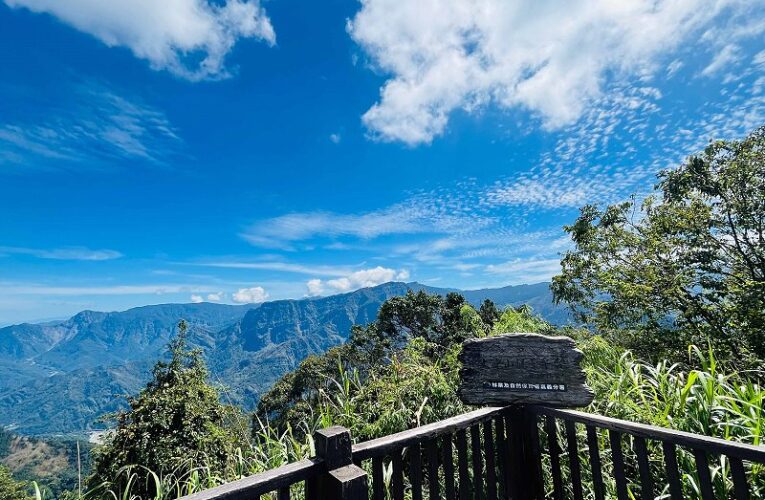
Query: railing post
{"type": "Point", "coordinates": [343, 480]}
{"type": "Point", "coordinates": [525, 481]}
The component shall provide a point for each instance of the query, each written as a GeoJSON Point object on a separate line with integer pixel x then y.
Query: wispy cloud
{"type": "Point", "coordinates": [533, 270]}
{"type": "Point", "coordinates": [68, 253]}
{"type": "Point", "coordinates": [9, 288]}
{"type": "Point", "coordinates": [170, 35]}
{"type": "Point", "coordinates": [422, 213]}
{"type": "Point", "coordinates": [288, 267]}
{"type": "Point", "coordinates": [91, 127]}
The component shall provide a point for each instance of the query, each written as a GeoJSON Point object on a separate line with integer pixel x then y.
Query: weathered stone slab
{"type": "Point", "coordinates": [523, 368]}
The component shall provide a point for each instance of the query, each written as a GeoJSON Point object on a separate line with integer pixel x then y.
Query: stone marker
{"type": "Point", "coordinates": [523, 368]}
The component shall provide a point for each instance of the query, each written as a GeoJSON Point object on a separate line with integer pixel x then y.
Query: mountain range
{"type": "Point", "coordinates": [60, 377]}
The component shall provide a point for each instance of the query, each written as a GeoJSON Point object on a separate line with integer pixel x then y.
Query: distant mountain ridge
{"type": "Point", "coordinates": [60, 377]}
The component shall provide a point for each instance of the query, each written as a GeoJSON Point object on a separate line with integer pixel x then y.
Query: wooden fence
{"type": "Point", "coordinates": [510, 453]}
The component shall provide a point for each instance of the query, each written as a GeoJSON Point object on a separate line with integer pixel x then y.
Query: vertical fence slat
{"type": "Point", "coordinates": [491, 470]}
{"type": "Point", "coordinates": [398, 476]}
{"type": "Point", "coordinates": [705, 480]}
{"type": "Point", "coordinates": [670, 466]}
{"type": "Point", "coordinates": [740, 486]}
{"type": "Point", "coordinates": [446, 444]}
{"type": "Point", "coordinates": [573, 458]}
{"type": "Point", "coordinates": [433, 484]}
{"type": "Point", "coordinates": [283, 493]}
{"type": "Point", "coordinates": [595, 463]}
{"type": "Point", "coordinates": [475, 443]}
{"type": "Point", "coordinates": [513, 469]}
{"type": "Point", "coordinates": [646, 481]}
{"type": "Point", "coordinates": [378, 492]}
{"type": "Point", "coordinates": [617, 456]}
{"type": "Point", "coordinates": [554, 449]}
{"type": "Point", "coordinates": [311, 488]}
{"type": "Point", "coordinates": [462, 460]}
{"type": "Point", "coordinates": [415, 470]}
{"type": "Point", "coordinates": [536, 482]}
{"type": "Point", "coordinates": [499, 426]}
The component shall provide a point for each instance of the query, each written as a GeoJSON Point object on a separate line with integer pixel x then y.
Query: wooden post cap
{"type": "Point", "coordinates": [333, 444]}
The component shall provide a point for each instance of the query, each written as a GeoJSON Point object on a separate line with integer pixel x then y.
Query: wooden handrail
{"type": "Point", "coordinates": [251, 486]}
{"type": "Point", "coordinates": [386, 444]}
{"type": "Point", "coordinates": [714, 445]}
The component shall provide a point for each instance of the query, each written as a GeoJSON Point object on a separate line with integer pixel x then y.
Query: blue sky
{"type": "Point", "coordinates": [237, 151]}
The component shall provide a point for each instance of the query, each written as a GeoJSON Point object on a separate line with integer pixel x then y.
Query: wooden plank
{"type": "Point", "coordinates": [283, 493]}
{"type": "Point", "coordinates": [533, 455]}
{"type": "Point", "coordinates": [499, 425]}
{"type": "Point", "coordinates": [523, 368]}
{"type": "Point", "coordinates": [554, 450]}
{"type": "Point", "coordinates": [491, 466]}
{"type": "Point", "coordinates": [378, 488]}
{"type": "Point", "coordinates": [264, 482]}
{"type": "Point", "coordinates": [617, 456]}
{"type": "Point", "coordinates": [462, 460]}
{"type": "Point", "coordinates": [705, 480]}
{"type": "Point", "coordinates": [646, 481]}
{"type": "Point", "coordinates": [740, 485]}
{"type": "Point", "coordinates": [386, 445]}
{"type": "Point", "coordinates": [595, 463]}
{"type": "Point", "coordinates": [573, 458]}
{"type": "Point", "coordinates": [475, 443]}
{"type": "Point", "coordinates": [433, 483]}
{"type": "Point", "coordinates": [670, 466]}
{"type": "Point", "coordinates": [397, 481]}
{"type": "Point", "coordinates": [512, 457]}
{"type": "Point", "coordinates": [415, 470]}
{"type": "Point", "coordinates": [714, 446]}
{"type": "Point", "coordinates": [311, 488]}
{"type": "Point", "coordinates": [446, 445]}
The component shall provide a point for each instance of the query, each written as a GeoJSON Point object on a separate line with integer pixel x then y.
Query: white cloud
{"type": "Point", "coordinates": [315, 287]}
{"type": "Point", "coordinates": [68, 253]}
{"type": "Point", "coordinates": [552, 58]}
{"type": "Point", "coordinates": [252, 295]}
{"type": "Point", "coordinates": [190, 38]}
{"type": "Point", "coordinates": [335, 138]}
{"type": "Point", "coordinates": [215, 297]}
{"type": "Point", "coordinates": [196, 299]}
{"type": "Point", "coordinates": [355, 280]}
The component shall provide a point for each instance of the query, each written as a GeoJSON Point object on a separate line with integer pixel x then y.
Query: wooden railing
{"type": "Point", "coordinates": [512, 452]}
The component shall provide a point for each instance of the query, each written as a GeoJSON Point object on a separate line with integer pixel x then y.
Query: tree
{"type": "Point", "coordinates": [489, 314]}
{"type": "Point", "coordinates": [687, 265]}
{"type": "Point", "coordinates": [175, 423]}
{"type": "Point", "coordinates": [11, 489]}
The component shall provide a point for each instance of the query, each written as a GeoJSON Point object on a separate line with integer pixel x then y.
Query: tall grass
{"type": "Point", "coordinates": [709, 401]}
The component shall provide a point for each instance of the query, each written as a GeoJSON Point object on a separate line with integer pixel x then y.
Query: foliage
{"type": "Point", "coordinates": [521, 320]}
{"type": "Point", "coordinates": [412, 390]}
{"type": "Point", "coordinates": [687, 266]}
{"type": "Point", "coordinates": [174, 424]}
{"type": "Point", "coordinates": [10, 488]}
{"type": "Point", "coordinates": [440, 322]}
